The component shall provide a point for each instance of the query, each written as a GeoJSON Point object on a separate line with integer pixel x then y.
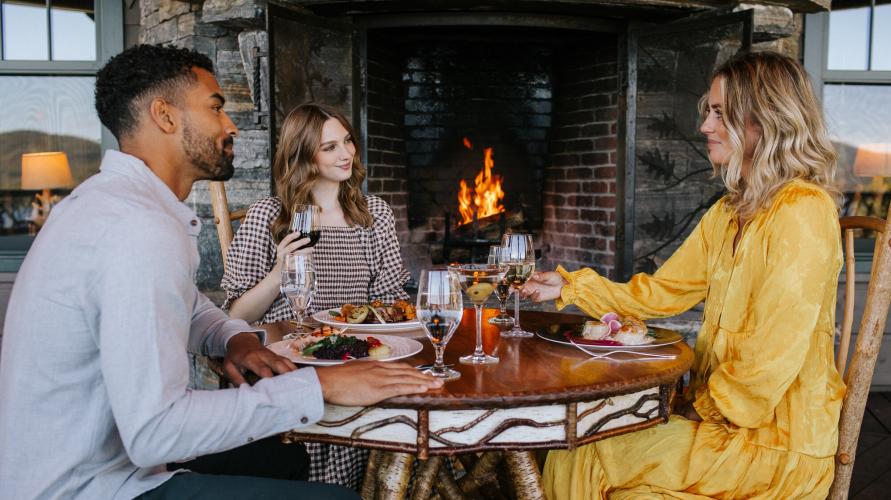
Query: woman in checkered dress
{"type": "Point", "coordinates": [356, 259]}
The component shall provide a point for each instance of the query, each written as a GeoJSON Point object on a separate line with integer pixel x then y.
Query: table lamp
{"type": "Point", "coordinates": [44, 171]}
{"type": "Point", "coordinates": [873, 160]}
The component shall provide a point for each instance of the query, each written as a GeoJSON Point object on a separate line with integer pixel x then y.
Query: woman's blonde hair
{"type": "Point", "coordinates": [774, 92]}
{"type": "Point", "coordinates": [296, 171]}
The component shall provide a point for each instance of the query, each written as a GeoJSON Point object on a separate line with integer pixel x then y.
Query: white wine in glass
{"type": "Point", "coordinates": [519, 256]}
{"type": "Point", "coordinates": [502, 291]}
{"type": "Point", "coordinates": [440, 309]}
{"type": "Point", "coordinates": [478, 282]}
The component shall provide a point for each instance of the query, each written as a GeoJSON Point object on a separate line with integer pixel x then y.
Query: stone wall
{"type": "Point", "coordinates": [227, 33]}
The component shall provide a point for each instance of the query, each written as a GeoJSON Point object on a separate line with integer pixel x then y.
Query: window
{"type": "Point", "coordinates": [848, 53]}
{"type": "Point", "coordinates": [50, 51]}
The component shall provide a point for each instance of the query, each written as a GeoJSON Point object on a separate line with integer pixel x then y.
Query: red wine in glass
{"type": "Point", "coordinates": [306, 221]}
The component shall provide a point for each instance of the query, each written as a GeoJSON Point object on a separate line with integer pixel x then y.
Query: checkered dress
{"type": "Point", "coordinates": [353, 265]}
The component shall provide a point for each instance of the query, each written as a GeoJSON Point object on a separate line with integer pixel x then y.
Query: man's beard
{"type": "Point", "coordinates": [213, 163]}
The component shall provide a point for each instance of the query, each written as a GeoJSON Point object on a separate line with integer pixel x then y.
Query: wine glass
{"type": "Point", "coordinates": [519, 256]}
{"type": "Point", "coordinates": [440, 308]}
{"type": "Point", "coordinates": [502, 291]}
{"type": "Point", "coordinates": [478, 282]}
{"type": "Point", "coordinates": [306, 220]}
{"type": "Point", "coordinates": [298, 284]}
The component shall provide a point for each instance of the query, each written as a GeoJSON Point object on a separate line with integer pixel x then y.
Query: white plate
{"type": "Point", "coordinates": [554, 333]}
{"type": "Point", "coordinates": [400, 347]}
{"type": "Point", "coordinates": [326, 318]}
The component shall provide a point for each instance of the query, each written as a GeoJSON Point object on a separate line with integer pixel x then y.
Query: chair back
{"type": "Point", "coordinates": [222, 217]}
{"type": "Point", "coordinates": [857, 373]}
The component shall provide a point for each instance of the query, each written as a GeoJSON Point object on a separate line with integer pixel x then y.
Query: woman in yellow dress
{"type": "Point", "coordinates": [760, 418]}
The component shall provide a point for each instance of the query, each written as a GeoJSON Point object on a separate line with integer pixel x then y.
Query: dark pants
{"type": "Point", "coordinates": [192, 486]}
{"type": "Point", "coordinates": [264, 469]}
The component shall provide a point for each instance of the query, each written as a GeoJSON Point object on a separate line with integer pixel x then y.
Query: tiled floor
{"type": "Point", "coordinates": [872, 466]}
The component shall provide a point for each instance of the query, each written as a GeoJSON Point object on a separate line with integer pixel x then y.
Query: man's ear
{"type": "Point", "coordinates": [164, 115]}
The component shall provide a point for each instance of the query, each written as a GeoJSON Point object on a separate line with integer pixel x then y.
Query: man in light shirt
{"type": "Point", "coordinates": [94, 396]}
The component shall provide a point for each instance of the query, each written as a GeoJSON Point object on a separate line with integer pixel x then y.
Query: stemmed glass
{"type": "Point", "coordinates": [519, 256]}
{"type": "Point", "coordinates": [298, 284]}
{"type": "Point", "coordinates": [440, 308]}
{"type": "Point", "coordinates": [306, 220]}
{"type": "Point", "coordinates": [478, 282]}
{"type": "Point", "coordinates": [502, 291]}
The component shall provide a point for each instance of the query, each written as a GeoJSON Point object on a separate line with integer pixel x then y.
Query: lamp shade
{"type": "Point", "coordinates": [45, 171]}
{"type": "Point", "coordinates": [873, 160]}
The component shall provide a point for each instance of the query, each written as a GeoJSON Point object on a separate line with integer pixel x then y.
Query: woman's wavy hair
{"type": "Point", "coordinates": [774, 92]}
{"type": "Point", "coordinates": [296, 172]}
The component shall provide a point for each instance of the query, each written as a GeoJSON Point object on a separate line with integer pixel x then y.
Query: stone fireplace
{"type": "Point", "coordinates": [589, 110]}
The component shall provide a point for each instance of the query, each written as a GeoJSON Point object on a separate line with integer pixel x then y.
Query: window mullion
{"type": "Point", "coordinates": [869, 31]}
{"type": "Point", "coordinates": [49, 30]}
{"type": "Point", "coordinates": [2, 45]}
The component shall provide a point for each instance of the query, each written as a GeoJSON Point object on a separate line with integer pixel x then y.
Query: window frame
{"type": "Point", "coordinates": [816, 54]}
{"type": "Point", "coordinates": [109, 19]}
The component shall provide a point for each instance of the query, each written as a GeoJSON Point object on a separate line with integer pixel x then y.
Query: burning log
{"type": "Point", "coordinates": [491, 227]}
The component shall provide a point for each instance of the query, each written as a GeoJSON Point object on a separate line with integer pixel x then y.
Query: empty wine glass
{"type": "Point", "coordinates": [478, 282]}
{"type": "Point", "coordinates": [306, 220]}
{"type": "Point", "coordinates": [440, 308]}
{"type": "Point", "coordinates": [298, 284]}
{"type": "Point", "coordinates": [502, 291]}
{"type": "Point", "coordinates": [519, 256]}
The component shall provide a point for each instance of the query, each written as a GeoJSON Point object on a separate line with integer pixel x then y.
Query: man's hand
{"type": "Point", "coordinates": [363, 383]}
{"type": "Point", "coordinates": [245, 352]}
{"type": "Point", "coordinates": [543, 286]}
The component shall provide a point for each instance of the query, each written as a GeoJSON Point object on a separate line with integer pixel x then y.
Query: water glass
{"type": "Point", "coordinates": [298, 284]}
{"type": "Point", "coordinates": [440, 308]}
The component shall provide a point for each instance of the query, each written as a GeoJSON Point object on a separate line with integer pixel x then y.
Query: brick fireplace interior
{"type": "Point", "coordinates": [545, 100]}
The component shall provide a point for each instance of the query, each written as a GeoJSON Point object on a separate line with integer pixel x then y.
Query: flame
{"type": "Point", "coordinates": [486, 195]}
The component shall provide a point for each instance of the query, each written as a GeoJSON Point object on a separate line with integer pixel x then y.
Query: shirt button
{"type": "Point", "coordinates": [303, 420]}
{"type": "Point", "coordinates": [250, 440]}
{"type": "Point", "coordinates": [194, 222]}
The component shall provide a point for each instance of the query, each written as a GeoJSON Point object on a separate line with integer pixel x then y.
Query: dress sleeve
{"type": "Point", "coordinates": [390, 276]}
{"type": "Point", "coordinates": [802, 261]}
{"type": "Point", "coordinates": [681, 283]}
{"type": "Point", "coordinates": [251, 254]}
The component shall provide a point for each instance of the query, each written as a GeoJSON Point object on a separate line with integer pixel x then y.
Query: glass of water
{"type": "Point", "coordinates": [440, 309]}
{"type": "Point", "coordinates": [298, 284]}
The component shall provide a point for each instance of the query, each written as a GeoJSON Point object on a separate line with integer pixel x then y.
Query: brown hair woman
{"type": "Point", "coordinates": [356, 258]}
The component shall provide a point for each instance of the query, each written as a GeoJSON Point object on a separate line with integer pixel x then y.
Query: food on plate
{"type": "Point", "coordinates": [376, 312]}
{"type": "Point", "coordinates": [335, 346]}
{"type": "Point", "coordinates": [613, 330]}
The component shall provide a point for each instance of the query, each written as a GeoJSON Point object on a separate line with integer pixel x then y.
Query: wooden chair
{"type": "Point", "coordinates": [222, 217]}
{"type": "Point", "coordinates": [858, 376]}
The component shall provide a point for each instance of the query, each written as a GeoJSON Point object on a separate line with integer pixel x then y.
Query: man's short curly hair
{"type": "Point", "coordinates": [134, 73]}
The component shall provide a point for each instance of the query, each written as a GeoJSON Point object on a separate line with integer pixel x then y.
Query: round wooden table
{"type": "Point", "coordinates": [542, 395]}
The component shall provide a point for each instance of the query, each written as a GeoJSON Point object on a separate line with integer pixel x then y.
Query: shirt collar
{"type": "Point", "coordinates": [116, 162]}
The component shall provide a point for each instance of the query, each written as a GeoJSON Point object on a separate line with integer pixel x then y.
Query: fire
{"type": "Point", "coordinates": [486, 195]}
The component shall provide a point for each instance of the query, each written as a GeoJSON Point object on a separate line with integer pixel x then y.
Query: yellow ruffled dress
{"type": "Point", "coordinates": [763, 379]}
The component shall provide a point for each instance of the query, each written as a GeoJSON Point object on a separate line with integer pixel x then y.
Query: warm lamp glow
{"type": "Point", "coordinates": [45, 171]}
{"type": "Point", "coordinates": [873, 160]}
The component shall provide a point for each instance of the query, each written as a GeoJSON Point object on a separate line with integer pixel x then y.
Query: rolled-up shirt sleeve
{"type": "Point", "coordinates": [151, 314]}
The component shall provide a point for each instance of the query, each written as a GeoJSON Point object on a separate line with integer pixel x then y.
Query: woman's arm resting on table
{"type": "Point", "coordinates": [678, 285]}
{"type": "Point", "coordinates": [254, 303]}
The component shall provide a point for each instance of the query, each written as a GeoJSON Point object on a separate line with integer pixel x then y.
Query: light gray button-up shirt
{"type": "Point", "coordinates": [94, 374]}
